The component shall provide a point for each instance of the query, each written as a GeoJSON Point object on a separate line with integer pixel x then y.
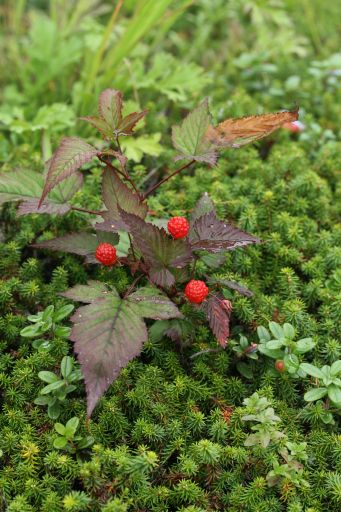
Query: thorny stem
{"type": "Point", "coordinates": [166, 179]}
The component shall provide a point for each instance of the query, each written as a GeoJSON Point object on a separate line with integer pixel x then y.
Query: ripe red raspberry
{"type": "Point", "coordinates": [178, 227]}
{"type": "Point", "coordinates": [106, 254]}
{"type": "Point", "coordinates": [280, 366]}
{"type": "Point", "coordinates": [196, 291]}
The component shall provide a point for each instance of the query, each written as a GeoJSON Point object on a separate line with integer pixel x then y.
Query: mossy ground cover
{"type": "Point", "coordinates": [169, 435]}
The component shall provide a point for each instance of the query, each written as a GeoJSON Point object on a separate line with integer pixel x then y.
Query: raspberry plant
{"type": "Point", "coordinates": [110, 329]}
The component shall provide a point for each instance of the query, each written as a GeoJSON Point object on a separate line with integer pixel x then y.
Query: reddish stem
{"type": "Point", "coordinates": [166, 179]}
{"type": "Point", "coordinates": [85, 210]}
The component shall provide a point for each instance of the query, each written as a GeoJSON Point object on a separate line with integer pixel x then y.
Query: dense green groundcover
{"type": "Point", "coordinates": [169, 433]}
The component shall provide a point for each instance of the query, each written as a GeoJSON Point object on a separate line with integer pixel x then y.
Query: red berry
{"type": "Point", "coordinates": [196, 291]}
{"type": "Point", "coordinates": [280, 366]}
{"type": "Point", "coordinates": [178, 227]}
{"type": "Point", "coordinates": [106, 254]}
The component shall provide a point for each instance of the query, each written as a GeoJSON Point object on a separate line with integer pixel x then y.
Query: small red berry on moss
{"type": "Point", "coordinates": [196, 291]}
{"type": "Point", "coordinates": [280, 366]}
{"type": "Point", "coordinates": [178, 227]}
{"type": "Point", "coordinates": [106, 254]}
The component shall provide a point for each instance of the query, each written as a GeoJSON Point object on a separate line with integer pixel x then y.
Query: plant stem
{"type": "Point", "coordinates": [85, 210]}
{"type": "Point", "coordinates": [132, 286]}
{"type": "Point", "coordinates": [206, 351]}
{"type": "Point", "coordinates": [123, 173]}
{"type": "Point", "coordinates": [167, 178]}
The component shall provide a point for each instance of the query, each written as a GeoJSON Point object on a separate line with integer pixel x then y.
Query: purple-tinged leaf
{"type": "Point", "coordinates": [161, 253]}
{"type": "Point", "coordinates": [113, 226]}
{"type": "Point", "coordinates": [70, 156]}
{"type": "Point", "coordinates": [20, 184]}
{"type": "Point", "coordinates": [87, 293]}
{"type": "Point", "coordinates": [101, 125]}
{"type": "Point", "coordinates": [120, 156]}
{"type": "Point", "coordinates": [218, 311]}
{"type": "Point", "coordinates": [27, 185]}
{"type": "Point", "coordinates": [110, 107]}
{"type": "Point", "coordinates": [67, 189]}
{"type": "Point", "coordinates": [203, 206]}
{"type": "Point", "coordinates": [213, 261]}
{"type": "Point", "coordinates": [128, 123]}
{"type": "Point", "coordinates": [110, 331]}
{"type": "Point", "coordinates": [189, 138]}
{"type": "Point", "coordinates": [213, 235]}
{"type": "Point", "coordinates": [116, 194]}
{"type": "Point", "coordinates": [76, 243]}
{"type": "Point", "coordinates": [154, 304]}
{"type": "Point", "coordinates": [32, 206]}
{"type": "Point", "coordinates": [224, 283]}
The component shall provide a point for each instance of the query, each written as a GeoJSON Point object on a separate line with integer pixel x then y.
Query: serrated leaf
{"type": "Point", "coordinates": [83, 244]}
{"type": "Point", "coordinates": [161, 253]}
{"type": "Point", "coordinates": [27, 185]}
{"type": "Point", "coordinates": [189, 138]}
{"type": "Point", "coordinates": [110, 107]}
{"type": "Point", "coordinates": [68, 158]}
{"type": "Point", "coordinates": [154, 304]}
{"type": "Point", "coordinates": [213, 235]}
{"type": "Point", "coordinates": [244, 130]}
{"type": "Point", "coordinates": [203, 206]}
{"type": "Point", "coordinates": [32, 206]}
{"type": "Point", "coordinates": [87, 293]}
{"type": "Point", "coordinates": [116, 194]}
{"type": "Point", "coordinates": [218, 313]}
{"type": "Point", "coordinates": [224, 283]}
{"type": "Point", "coordinates": [110, 331]}
{"type": "Point", "coordinates": [101, 125]}
{"type": "Point", "coordinates": [128, 123]}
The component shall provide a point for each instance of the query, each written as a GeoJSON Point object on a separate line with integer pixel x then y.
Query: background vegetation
{"type": "Point", "coordinates": [170, 434]}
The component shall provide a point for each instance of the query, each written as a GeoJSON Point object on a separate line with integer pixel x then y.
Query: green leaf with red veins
{"type": "Point", "coordinates": [203, 206]}
{"type": "Point", "coordinates": [218, 313]}
{"type": "Point", "coordinates": [213, 235]}
{"type": "Point", "coordinates": [57, 202]}
{"type": "Point", "coordinates": [161, 253]}
{"type": "Point", "coordinates": [110, 331]}
{"type": "Point", "coordinates": [128, 123]}
{"type": "Point", "coordinates": [189, 137]}
{"type": "Point", "coordinates": [68, 158]}
{"type": "Point", "coordinates": [101, 125]}
{"type": "Point", "coordinates": [116, 194]}
{"type": "Point", "coordinates": [110, 107]}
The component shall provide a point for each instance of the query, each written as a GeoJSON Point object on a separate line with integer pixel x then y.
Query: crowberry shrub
{"type": "Point", "coordinates": [159, 264]}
